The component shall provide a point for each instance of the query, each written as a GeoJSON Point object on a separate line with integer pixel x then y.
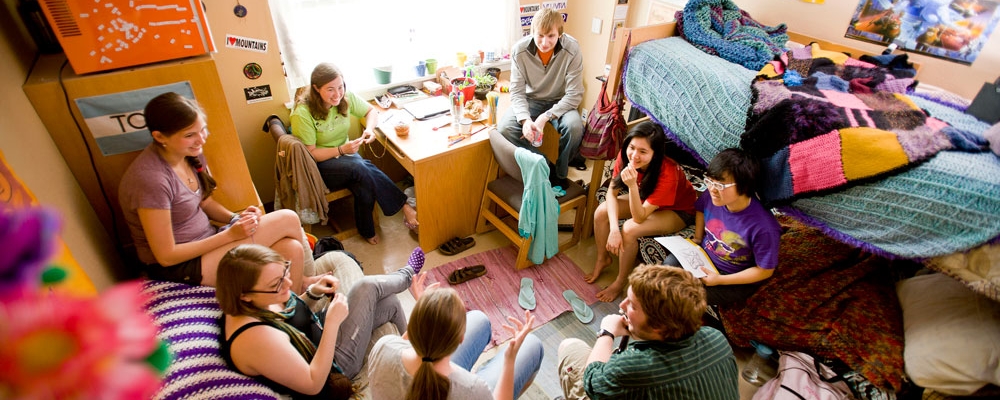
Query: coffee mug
{"type": "Point", "coordinates": [432, 65]}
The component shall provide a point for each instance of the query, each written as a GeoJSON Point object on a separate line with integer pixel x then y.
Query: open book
{"type": "Point", "coordinates": [691, 256]}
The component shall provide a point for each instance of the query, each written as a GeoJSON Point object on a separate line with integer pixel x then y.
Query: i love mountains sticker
{"type": "Point", "coordinates": [245, 43]}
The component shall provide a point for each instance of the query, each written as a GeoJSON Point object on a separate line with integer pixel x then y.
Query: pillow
{"type": "Point", "coordinates": [952, 335]}
{"type": "Point", "coordinates": [188, 318]}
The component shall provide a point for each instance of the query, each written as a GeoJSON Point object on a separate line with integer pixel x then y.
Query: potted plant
{"type": "Point", "coordinates": [484, 84]}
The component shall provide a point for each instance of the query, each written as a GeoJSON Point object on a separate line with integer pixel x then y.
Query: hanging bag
{"type": "Point", "coordinates": [605, 128]}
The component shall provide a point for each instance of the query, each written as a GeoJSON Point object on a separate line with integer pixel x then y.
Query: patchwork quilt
{"type": "Point", "coordinates": [826, 121]}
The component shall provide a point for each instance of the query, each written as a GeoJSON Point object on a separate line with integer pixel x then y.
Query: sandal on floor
{"type": "Point", "coordinates": [456, 245]}
{"type": "Point", "coordinates": [464, 274]}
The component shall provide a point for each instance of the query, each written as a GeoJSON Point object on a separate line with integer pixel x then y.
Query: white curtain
{"type": "Point", "coordinates": [359, 35]}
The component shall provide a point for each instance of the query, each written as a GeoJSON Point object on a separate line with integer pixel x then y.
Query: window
{"type": "Point", "coordinates": [359, 35]}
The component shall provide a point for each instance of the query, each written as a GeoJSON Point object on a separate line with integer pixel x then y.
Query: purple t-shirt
{"type": "Point", "coordinates": [150, 183]}
{"type": "Point", "coordinates": [740, 240]}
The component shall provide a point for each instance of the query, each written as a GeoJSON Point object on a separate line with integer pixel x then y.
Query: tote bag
{"type": "Point", "coordinates": [800, 376]}
{"type": "Point", "coordinates": [605, 128]}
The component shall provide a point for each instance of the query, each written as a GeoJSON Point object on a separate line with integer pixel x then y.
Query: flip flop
{"type": "Point", "coordinates": [456, 245]}
{"type": "Point", "coordinates": [462, 275]}
{"type": "Point", "coordinates": [580, 308]}
{"type": "Point", "coordinates": [526, 296]}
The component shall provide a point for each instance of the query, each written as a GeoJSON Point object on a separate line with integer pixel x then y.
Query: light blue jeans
{"type": "Point", "coordinates": [477, 335]}
{"type": "Point", "coordinates": [569, 126]}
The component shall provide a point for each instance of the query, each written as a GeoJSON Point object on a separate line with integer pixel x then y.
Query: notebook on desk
{"type": "Point", "coordinates": [428, 108]}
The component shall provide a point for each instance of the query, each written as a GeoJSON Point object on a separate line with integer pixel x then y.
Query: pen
{"type": "Point", "coordinates": [453, 142]}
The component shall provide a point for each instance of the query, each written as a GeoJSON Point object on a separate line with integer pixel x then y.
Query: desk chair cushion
{"type": "Point", "coordinates": [503, 152]}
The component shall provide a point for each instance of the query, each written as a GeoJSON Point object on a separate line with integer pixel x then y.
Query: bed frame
{"type": "Point", "coordinates": [659, 31]}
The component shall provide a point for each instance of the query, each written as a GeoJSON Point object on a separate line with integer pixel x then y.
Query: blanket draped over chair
{"type": "Point", "coordinates": [947, 203]}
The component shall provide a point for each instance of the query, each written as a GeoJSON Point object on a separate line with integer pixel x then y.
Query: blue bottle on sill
{"type": "Point", "coordinates": [759, 369]}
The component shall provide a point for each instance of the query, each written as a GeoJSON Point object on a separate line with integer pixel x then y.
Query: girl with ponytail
{"type": "Point", "coordinates": [166, 197]}
{"type": "Point", "coordinates": [433, 360]}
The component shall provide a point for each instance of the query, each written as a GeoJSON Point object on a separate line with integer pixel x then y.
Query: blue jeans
{"type": "Point", "coordinates": [569, 126]}
{"type": "Point", "coordinates": [367, 183]}
{"type": "Point", "coordinates": [477, 335]}
{"type": "Point", "coordinates": [372, 302]}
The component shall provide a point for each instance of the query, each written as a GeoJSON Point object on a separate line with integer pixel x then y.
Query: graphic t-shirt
{"type": "Point", "coordinates": [740, 240]}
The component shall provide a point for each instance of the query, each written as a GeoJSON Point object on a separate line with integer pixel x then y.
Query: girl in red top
{"type": "Point", "coordinates": [659, 201]}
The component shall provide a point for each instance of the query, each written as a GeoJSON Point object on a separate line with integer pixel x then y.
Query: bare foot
{"type": "Point", "coordinates": [410, 217]}
{"type": "Point", "coordinates": [610, 293]}
{"type": "Point", "coordinates": [598, 268]}
{"type": "Point", "coordinates": [372, 240]}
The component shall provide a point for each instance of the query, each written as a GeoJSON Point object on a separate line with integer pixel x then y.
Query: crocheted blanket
{"type": "Point", "coordinates": [946, 204]}
{"type": "Point", "coordinates": [720, 27]}
{"type": "Point", "coordinates": [828, 300]}
{"type": "Point", "coordinates": [828, 123]}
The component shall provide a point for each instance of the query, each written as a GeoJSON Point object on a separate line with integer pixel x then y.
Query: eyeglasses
{"type": "Point", "coordinates": [711, 184]}
{"type": "Point", "coordinates": [277, 289]}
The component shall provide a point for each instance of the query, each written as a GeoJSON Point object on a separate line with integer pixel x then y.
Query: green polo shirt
{"type": "Point", "coordinates": [330, 132]}
{"type": "Point", "coordinates": [701, 367]}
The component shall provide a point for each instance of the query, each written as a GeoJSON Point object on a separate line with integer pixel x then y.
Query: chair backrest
{"type": "Point", "coordinates": [503, 152]}
{"type": "Point", "coordinates": [276, 129]}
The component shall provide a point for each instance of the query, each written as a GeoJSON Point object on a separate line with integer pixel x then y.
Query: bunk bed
{"type": "Point", "coordinates": [846, 243]}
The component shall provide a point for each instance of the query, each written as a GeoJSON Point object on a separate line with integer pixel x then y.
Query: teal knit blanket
{"type": "Point", "coordinates": [721, 28]}
{"type": "Point", "coordinates": [947, 204]}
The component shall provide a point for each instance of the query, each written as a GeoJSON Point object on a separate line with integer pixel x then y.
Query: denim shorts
{"type": "Point", "coordinates": [187, 272]}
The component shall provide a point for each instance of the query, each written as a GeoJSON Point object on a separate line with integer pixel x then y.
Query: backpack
{"type": "Point", "coordinates": [800, 376]}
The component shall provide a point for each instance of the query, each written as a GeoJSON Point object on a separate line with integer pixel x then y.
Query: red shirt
{"type": "Point", "coordinates": [673, 191]}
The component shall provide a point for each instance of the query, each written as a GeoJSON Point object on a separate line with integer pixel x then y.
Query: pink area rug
{"type": "Point", "coordinates": [495, 293]}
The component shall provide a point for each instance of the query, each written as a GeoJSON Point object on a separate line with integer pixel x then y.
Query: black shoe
{"type": "Point", "coordinates": [579, 163]}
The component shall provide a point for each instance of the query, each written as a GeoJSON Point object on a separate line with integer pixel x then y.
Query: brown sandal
{"type": "Point", "coordinates": [456, 245]}
{"type": "Point", "coordinates": [462, 275]}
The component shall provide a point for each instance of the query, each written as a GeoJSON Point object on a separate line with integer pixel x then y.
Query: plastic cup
{"type": "Point", "coordinates": [460, 57]}
{"type": "Point", "coordinates": [432, 65]}
{"type": "Point", "coordinates": [383, 75]}
{"type": "Point", "coordinates": [421, 69]}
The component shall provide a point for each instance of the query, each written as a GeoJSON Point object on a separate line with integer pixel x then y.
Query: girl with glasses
{"type": "Point", "coordinates": [739, 234]}
{"type": "Point", "coordinates": [270, 334]}
{"type": "Point", "coordinates": [166, 196]}
{"type": "Point", "coordinates": [659, 201]}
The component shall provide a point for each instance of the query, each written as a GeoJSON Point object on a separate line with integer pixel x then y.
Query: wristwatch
{"type": "Point", "coordinates": [549, 115]}
{"type": "Point", "coordinates": [605, 332]}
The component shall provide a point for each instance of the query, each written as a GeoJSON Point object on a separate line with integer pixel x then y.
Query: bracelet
{"type": "Point", "coordinates": [309, 293]}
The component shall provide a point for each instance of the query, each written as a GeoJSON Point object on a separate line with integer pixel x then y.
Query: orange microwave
{"type": "Point", "coordinates": [99, 35]}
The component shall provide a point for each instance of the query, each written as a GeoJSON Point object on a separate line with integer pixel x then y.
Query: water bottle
{"type": "Point", "coordinates": [759, 369]}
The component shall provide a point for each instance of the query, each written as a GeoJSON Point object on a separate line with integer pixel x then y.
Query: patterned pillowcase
{"type": "Point", "coordinates": [188, 318]}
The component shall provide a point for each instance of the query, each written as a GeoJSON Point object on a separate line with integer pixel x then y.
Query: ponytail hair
{"type": "Point", "coordinates": [169, 113]}
{"type": "Point", "coordinates": [436, 328]}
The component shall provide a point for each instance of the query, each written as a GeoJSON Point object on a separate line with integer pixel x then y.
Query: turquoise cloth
{"type": "Point", "coordinates": [539, 215]}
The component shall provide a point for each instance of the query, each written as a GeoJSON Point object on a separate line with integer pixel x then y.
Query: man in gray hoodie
{"type": "Point", "coordinates": [546, 86]}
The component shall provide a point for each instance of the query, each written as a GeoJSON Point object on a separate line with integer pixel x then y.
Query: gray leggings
{"type": "Point", "coordinates": [372, 302]}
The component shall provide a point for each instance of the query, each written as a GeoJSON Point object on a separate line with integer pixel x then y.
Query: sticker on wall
{"type": "Point", "coordinates": [239, 11]}
{"type": "Point", "coordinates": [555, 5]}
{"type": "Point", "coordinates": [245, 43]}
{"type": "Point", "coordinates": [257, 94]}
{"type": "Point", "coordinates": [530, 8]}
{"type": "Point", "coordinates": [526, 20]}
{"type": "Point", "coordinates": [252, 70]}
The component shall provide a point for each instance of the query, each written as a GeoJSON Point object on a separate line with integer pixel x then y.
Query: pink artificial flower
{"type": "Point", "coordinates": [57, 346]}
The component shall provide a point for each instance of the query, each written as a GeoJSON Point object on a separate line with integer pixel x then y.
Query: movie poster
{"type": "Point", "coordinates": [955, 30]}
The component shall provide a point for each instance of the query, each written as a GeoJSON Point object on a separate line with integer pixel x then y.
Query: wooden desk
{"type": "Point", "coordinates": [449, 180]}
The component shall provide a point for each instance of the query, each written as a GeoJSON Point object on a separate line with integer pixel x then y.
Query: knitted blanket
{"type": "Point", "coordinates": [720, 27]}
{"type": "Point", "coordinates": [701, 99]}
{"type": "Point", "coordinates": [946, 204]}
{"type": "Point", "coordinates": [825, 124]}
{"type": "Point", "coordinates": [828, 300]}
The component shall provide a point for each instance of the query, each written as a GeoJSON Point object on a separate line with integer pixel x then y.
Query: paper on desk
{"type": "Point", "coordinates": [691, 256]}
{"type": "Point", "coordinates": [388, 119]}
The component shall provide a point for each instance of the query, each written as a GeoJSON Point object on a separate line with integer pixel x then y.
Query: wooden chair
{"type": "Point", "coordinates": [276, 128]}
{"type": "Point", "coordinates": [505, 193]}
